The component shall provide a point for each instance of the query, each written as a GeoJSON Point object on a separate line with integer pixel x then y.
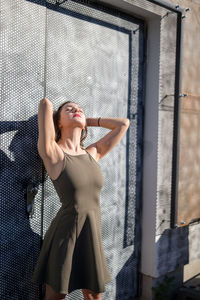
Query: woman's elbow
{"type": "Point", "coordinates": [126, 122]}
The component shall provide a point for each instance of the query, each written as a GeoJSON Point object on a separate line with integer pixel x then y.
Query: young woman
{"type": "Point", "coordinates": [72, 255]}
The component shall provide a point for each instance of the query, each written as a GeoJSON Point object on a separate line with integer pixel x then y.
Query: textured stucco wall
{"type": "Point", "coordinates": [176, 247]}
{"type": "Point", "coordinates": [189, 166]}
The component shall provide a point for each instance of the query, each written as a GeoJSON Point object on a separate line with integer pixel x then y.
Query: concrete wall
{"type": "Point", "coordinates": [179, 247]}
{"type": "Point", "coordinates": [188, 197]}
{"type": "Point", "coordinates": [189, 170]}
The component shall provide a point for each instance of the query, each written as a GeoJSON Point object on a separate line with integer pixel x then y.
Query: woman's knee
{"type": "Point", "coordinates": [50, 294]}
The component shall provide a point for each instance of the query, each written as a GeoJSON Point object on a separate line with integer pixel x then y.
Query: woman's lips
{"type": "Point", "coordinates": [76, 115]}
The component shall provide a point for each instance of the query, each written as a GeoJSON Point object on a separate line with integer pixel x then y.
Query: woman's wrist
{"type": "Point", "coordinates": [99, 121]}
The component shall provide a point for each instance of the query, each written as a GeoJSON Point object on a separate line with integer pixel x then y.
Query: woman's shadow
{"type": "Point", "coordinates": [20, 246]}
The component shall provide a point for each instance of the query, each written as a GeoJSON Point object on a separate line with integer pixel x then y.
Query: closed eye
{"type": "Point", "coordinates": [72, 109]}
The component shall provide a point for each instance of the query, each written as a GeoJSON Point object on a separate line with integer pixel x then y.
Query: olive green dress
{"type": "Point", "coordinates": [72, 255]}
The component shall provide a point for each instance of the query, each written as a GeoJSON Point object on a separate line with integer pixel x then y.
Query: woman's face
{"type": "Point", "coordinates": [68, 115]}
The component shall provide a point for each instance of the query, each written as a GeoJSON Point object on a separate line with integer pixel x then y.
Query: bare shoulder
{"type": "Point", "coordinates": [93, 151]}
{"type": "Point", "coordinates": [53, 161]}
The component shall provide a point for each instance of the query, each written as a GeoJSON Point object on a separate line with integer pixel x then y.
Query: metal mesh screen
{"type": "Point", "coordinates": [93, 56]}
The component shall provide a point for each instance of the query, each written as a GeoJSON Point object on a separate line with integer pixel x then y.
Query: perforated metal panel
{"type": "Point", "coordinates": [93, 55]}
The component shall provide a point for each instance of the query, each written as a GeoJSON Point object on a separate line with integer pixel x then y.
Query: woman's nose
{"type": "Point", "coordinates": [77, 109]}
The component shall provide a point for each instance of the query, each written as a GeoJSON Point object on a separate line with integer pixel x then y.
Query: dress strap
{"type": "Point", "coordinates": [63, 151]}
{"type": "Point", "coordinates": [64, 161]}
{"type": "Point", "coordinates": [87, 152]}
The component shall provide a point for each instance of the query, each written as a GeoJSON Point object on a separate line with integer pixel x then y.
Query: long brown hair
{"type": "Point", "coordinates": [56, 118]}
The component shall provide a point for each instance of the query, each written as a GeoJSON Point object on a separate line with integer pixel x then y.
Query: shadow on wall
{"type": "Point", "coordinates": [19, 244]}
{"type": "Point", "coordinates": [172, 250]}
{"type": "Point", "coordinates": [127, 279]}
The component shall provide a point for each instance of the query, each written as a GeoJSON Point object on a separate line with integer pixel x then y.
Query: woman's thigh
{"type": "Point", "coordinates": [50, 294]}
{"type": "Point", "coordinates": [89, 295]}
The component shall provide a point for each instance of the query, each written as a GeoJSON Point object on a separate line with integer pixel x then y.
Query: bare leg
{"type": "Point", "coordinates": [89, 295]}
{"type": "Point", "coordinates": [50, 294]}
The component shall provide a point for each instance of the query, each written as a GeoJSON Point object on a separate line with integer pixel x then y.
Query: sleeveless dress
{"type": "Point", "coordinates": [72, 255]}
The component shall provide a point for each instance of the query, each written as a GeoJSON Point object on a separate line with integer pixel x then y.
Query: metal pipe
{"type": "Point", "coordinates": [166, 5]}
{"type": "Point", "coordinates": [176, 135]}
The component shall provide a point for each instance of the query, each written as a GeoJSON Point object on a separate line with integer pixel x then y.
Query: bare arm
{"type": "Point", "coordinates": [109, 123]}
{"type": "Point", "coordinates": [118, 127]}
{"type": "Point", "coordinates": [46, 127]}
